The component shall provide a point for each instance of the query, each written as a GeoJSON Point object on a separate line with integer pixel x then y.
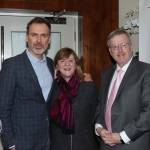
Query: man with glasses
{"type": "Point", "coordinates": [123, 115]}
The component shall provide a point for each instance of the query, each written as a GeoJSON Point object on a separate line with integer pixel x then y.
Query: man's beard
{"type": "Point", "coordinates": [38, 51]}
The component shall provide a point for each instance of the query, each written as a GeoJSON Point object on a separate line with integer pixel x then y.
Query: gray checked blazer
{"type": "Point", "coordinates": [131, 108]}
{"type": "Point", "coordinates": [23, 110]}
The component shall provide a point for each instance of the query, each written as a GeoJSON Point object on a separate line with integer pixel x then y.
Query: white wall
{"type": "Point", "coordinates": [124, 7]}
{"type": "Point", "coordinates": [144, 28]}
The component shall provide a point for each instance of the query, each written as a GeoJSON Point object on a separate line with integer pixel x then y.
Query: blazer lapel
{"type": "Point", "coordinates": [51, 69]}
{"type": "Point", "coordinates": [33, 74]}
{"type": "Point", "coordinates": [31, 71]}
{"type": "Point", "coordinates": [131, 69]}
{"type": "Point", "coordinates": [108, 81]}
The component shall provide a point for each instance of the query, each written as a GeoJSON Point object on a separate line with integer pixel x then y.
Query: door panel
{"type": "Point", "coordinates": [15, 32]}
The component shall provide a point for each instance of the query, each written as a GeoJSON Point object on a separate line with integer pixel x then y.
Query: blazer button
{"type": "Point", "coordinates": [46, 119]}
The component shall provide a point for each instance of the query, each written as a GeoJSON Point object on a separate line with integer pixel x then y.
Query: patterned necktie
{"type": "Point", "coordinates": [111, 100]}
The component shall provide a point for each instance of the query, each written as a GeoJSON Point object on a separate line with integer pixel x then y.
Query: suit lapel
{"type": "Point", "coordinates": [51, 69]}
{"type": "Point", "coordinates": [34, 76]}
{"type": "Point", "coordinates": [131, 69]}
{"type": "Point", "coordinates": [32, 72]}
{"type": "Point", "coordinates": [108, 81]}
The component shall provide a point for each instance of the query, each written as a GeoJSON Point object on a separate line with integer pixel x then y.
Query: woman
{"type": "Point", "coordinates": [73, 105]}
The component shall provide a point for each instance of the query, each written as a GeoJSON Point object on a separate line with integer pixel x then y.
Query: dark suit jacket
{"type": "Point", "coordinates": [23, 110]}
{"type": "Point", "coordinates": [131, 108]}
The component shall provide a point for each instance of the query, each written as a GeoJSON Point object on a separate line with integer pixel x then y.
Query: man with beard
{"type": "Point", "coordinates": [26, 83]}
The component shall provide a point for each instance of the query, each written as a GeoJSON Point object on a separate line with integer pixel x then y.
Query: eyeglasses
{"type": "Point", "coordinates": [122, 46]}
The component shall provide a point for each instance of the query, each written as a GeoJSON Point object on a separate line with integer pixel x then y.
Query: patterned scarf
{"type": "Point", "coordinates": [62, 112]}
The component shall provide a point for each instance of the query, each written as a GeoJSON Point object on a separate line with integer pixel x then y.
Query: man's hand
{"type": "Point", "coordinates": [87, 77]}
{"type": "Point", "coordinates": [108, 138]}
{"type": "Point", "coordinates": [13, 148]}
{"type": "Point", "coordinates": [102, 132]}
{"type": "Point", "coordinates": [105, 136]}
{"type": "Point", "coordinates": [115, 138]}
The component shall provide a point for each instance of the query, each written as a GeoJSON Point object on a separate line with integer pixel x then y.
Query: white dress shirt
{"type": "Point", "coordinates": [123, 135]}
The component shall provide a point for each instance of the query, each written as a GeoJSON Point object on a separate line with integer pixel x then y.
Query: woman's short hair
{"type": "Point", "coordinates": [64, 53]}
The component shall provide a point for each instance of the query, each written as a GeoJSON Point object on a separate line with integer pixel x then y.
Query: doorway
{"type": "Point", "coordinates": [13, 33]}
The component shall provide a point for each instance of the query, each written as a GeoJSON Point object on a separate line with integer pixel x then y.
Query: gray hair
{"type": "Point", "coordinates": [118, 32]}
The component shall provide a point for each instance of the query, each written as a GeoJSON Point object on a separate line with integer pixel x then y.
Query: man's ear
{"type": "Point", "coordinates": [109, 50]}
{"type": "Point", "coordinates": [131, 46]}
{"type": "Point", "coordinates": [50, 39]}
{"type": "Point", "coordinates": [27, 36]}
